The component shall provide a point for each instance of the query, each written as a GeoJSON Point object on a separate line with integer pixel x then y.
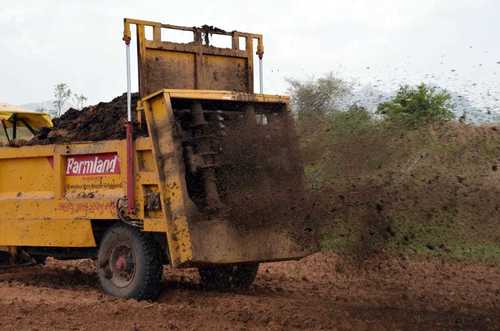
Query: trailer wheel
{"type": "Point", "coordinates": [5, 258]}
{"type": "Point", "coordinates": [234, 276]}
{"type": "Point", "coordinates": [128, 264]}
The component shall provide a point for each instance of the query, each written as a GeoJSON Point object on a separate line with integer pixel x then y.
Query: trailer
{"type": "Point", "coordinates": [216, 184]}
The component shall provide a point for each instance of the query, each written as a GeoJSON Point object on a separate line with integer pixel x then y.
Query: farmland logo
{"type": "Point", "coordinates": [97, 164]}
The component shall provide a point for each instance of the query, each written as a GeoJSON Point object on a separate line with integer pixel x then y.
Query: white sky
{"type": "Point", "coordinates": [383, 43]}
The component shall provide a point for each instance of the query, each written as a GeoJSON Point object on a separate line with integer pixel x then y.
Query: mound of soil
{"type": "Point", "coordinates": [104, 121]}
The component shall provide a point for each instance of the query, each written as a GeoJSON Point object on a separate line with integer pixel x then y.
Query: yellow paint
{"type": "Point", "coordinates": [155, 225]}
{"type": "Point", "coordinates": [221, 96]}
{"type": "Point", "coordinates": [169, 160]}
{"type": "Point", "coordinates": [42, 204]}
{"type": "Point", "coordinates": [60, 233]}
{"type": "Point", "coordinates": [34, 119]}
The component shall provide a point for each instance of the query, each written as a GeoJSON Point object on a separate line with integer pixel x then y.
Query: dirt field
{"type": "Point", "coordinates": [320, 292]}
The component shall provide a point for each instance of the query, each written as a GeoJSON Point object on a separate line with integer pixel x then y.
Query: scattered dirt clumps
{"type": "Point", "coordinates": [261, 179]}
{"type": "Point", "coordinates": [431, 190]}
{"type": "Point", "coordinates": [261, 169]}
{"type": "Point", "coordinates": [104, 121]}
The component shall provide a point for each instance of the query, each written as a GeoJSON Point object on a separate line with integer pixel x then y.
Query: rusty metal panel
{"type": "Point", "coordinates": [221, 73]}
{"type": "Point", "coordinates": [219, 241]}
{"type": "Point", "coordinates": [168, 68]}
{"type": "Point", "coordinates": [194, 65]}
{"type": "Point", "coordinates": [179, 66]}
{"type": "Point", "coordinates": [177, 70]}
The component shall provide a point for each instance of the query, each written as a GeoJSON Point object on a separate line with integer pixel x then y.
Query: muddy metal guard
{"type": "Point", "coordinates": [196, 64]}
{"type": "Point", "coordinates": [195, 238]}
{"type": "Point", "coordinates": [187, 91]}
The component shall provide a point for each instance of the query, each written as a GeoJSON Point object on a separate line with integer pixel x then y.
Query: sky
{"type": "Point", "coordinates": [384, 43]}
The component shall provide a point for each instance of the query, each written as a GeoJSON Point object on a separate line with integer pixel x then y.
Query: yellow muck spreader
{"type": "Point", "coordinates": [215, 184]}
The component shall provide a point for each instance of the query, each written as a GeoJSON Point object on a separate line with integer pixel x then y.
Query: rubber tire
{"type": "Point", "coordinates": [233, 276]}
{"type": "Point", "coordinates": [5, 258]}
{"type": "Point", "coordinates": [146, 283]}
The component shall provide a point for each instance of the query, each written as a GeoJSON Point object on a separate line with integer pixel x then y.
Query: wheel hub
{"type": "Point", "coordinates": [122, 265]}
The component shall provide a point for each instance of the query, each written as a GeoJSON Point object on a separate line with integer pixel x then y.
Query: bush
{"type": "Point", "coordinates": [352, 121]}
{"type": "Point", "coordinates": [418, 105]}
{"type": "Point", "coordinates": [317, 97]}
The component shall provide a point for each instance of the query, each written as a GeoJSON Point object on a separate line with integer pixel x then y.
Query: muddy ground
{"type": "Point", "coordinates": [429, 192]}
{"type": "Point", "coordinates": [323, 291]}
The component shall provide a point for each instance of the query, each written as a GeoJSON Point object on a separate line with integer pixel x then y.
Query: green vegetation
{"type": "Point", "coordinates": [418, 105]}
{"type": "Point", "coordinates": [410, 182]}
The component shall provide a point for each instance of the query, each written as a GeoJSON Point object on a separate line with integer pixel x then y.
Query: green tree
{"type": "Point", "coordinates": [418, 105]}
{"type": "Point", "coordinates": [352, 121]}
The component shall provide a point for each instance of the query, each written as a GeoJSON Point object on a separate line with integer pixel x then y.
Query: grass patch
{"type": "Point", "coordinates": [431, 244]}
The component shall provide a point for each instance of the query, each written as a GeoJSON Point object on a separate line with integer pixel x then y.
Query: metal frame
{"type": "Point", "coordinates": [5, 131]}
{"type": "Point", "coordinates": [14, 121]}
{"type": "Point", "coordinates": [199, 48]}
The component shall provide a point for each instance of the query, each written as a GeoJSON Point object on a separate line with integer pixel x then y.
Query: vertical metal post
{"type": "Point", "coordinates": [4, 124]}
{"type": "Point", "coordinates": [129, 93]}
{"type": "Point", "coordinates": [260, 53]}
{"type": "Point", "coordinates": [14, 127]}
{"type": "Point", "coordinates": [130, 139]}
{"type": "Point", "coordinates": [261, 75]}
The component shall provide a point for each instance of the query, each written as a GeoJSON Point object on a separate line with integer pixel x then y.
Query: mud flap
{"type": "Point", "coordinates": [219, 242]}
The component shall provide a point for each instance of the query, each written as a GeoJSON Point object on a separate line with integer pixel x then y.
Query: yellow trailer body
{"type": "Point", "coordinates": [51, 195]}
{"type": "Point", "coordinates": [216, 184]}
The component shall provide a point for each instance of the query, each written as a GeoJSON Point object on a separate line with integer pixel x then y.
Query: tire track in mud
{"type": "Point", "coordinates": [323, 291]}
